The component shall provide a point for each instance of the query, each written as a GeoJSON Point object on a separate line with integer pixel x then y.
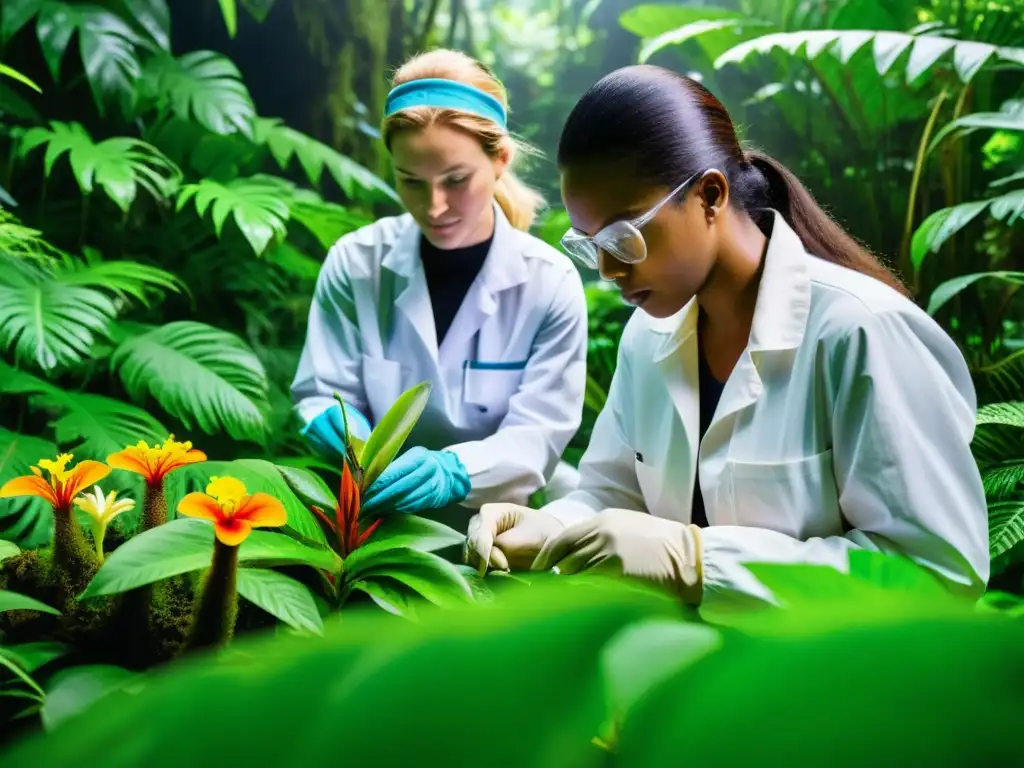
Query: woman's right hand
{"type": "Point", "coordinates": [506, 536]}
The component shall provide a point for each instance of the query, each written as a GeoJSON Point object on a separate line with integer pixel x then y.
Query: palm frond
{"type": "Point", "coordinates": [258, 205]}
{"type": "Point", "coordinates": [924, 52]}
{"type": "Point", "coordinates": [123, 278]}
{"type": "Point", "coordinates": [201, 375]}
{"type": "Point", "coordinates": [203, 86]}
{"type": "Point", "coordinates": [27, 521]}
{"type": "Point", "coordinates": [118, 165]}
{"type": "Point", "coordinates": [358, 182]}
{"type": "Point", "coordinates": [1009, 118]}
{"type": "Point", "coordinates": [941, 225]}
{"type": "Point", "coordinates": [90, 426]}
{"type": "Point", "coordinates": [950, 288]}
{"type": "Point", "coordinates": [23, 242]}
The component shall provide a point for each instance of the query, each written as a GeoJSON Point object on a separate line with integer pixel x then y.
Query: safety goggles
{"type": "Point", "coordinates": [621, 239]}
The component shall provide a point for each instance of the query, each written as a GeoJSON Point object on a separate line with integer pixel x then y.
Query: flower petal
{"type": "Point", "coordinates": [232, 531]}
{"type": "Point", "coordinates": [198, 504]}
{"type": "Point", "coordinates": [181, 460]}
{"type": "Point", "coordinates": [261, 510]}
{"type": "Point", "coordinates": [29, 485]}
{"type": "Point", "coordinates": [132, 460]}
{"type": "Point", "coordinates": [84, 474]}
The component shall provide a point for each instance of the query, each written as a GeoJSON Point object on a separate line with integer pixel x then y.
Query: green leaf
{"type": "Point", "coordinates": [1005, 414]}
{"type": "Point", "coordinates": [7, 548]}
{"type": "Point", "coordinates": [644, 654]}
{"type": "Point", "coordinates": [435, 579]}
{"type": "Point", "coordinates": [119, 165]}
{"type": "Point", "coordinates": [72, 691]}
{"type": "Point", "coordinates": [185, 545]}
{"type": "Point", "coordinates": [122, 278]}
{"type": "Point", "coordinates": [33, 656]}
{"type": "Point", "coordinates": [259, 476]}
{"type": "Point", "coordinates": [258, 205]}
{"type": "Point", "coordinates": [205, 377]}
{"type": "Point", "coordinates": [12, 601]}
{"type": "Point", "coordinates": [327, 221]}
{"type": "Point", "coordinates": [389, 595]}
{"type": "Point", "coordinates": [357, 182]}
{"type": "Point", "coordinates": [391, 432]}
{"type": "Point", "coordinates": [17, 13]}
{"type": "Point", "coordinates": [230, 12]}
{"type": "Point", "coordinates": [925, 51]}
{"type": "Point", "coordinates": [14, 667]}
{"type": "Point", "coordinates": [399, 531]}
{"type": "Point", "coordinates": [685, 33]}
{"type": "Point", "coordinates": [203, 86]}
{"type": "Point", "coordinates": [16, 75]}
{"type": "Point", "coordinates": [282, 597]}
{"type": "Point", "coordinates": [24, 520]}
{"type": "Point", "coordinates": [49, 323]}
{"type": "Point", "coordinates": [894, 572]}
{"type": "Point", "coordinates": [1006, 525]}
{"type": "Point", "coordinates": [947, 290]}
{"type": "Point", "coordinates": [107, 45]}
{"type": "Point", "coordinates": [309, 487]}
{"type": "Point", "coordinates": [90, 426]}
{"type": "Point", "coordinates": [152, 17]}
{"type": "Point", "coordinates": [1010, 120]}
{"type": "Point", "coordinates": [940, 226]}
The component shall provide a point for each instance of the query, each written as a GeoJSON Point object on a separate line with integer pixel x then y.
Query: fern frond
{"type": "Point", "coordinates": [1005, 525]}
{"type": "Point", "coordinates": [1002, 479]}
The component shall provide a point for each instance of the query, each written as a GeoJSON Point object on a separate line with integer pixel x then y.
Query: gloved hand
{"type": "Point", "coordinates": [505, 536]}
{"type": "Point", "coordinates": [418, 480]}
{"type": "Point", "coordinates": [627, 543]}
{"type": "Point", "coordinates": [326, 431]}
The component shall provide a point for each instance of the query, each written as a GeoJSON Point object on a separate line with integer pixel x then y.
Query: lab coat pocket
{"type": "Point", "coordinates": [382, 380]}
{"type": "Point", "coordinates": [796, 497]}
{"type": "Point", "coordinates": [489, 386]}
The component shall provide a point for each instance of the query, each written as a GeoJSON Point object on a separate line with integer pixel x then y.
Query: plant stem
{"type": "Point", "coordinates": [154, 512]}
{"type": "Point", "coordinates": [75, 562]}
{"type": "Point", "coordinates": [922, 150]}
{"type": "Point", "coordinates": [215, 615]}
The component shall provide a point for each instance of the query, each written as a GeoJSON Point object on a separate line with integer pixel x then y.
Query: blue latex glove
{"type": "Point", "coordinates": [417, 481]}
{"type": "Point", "coordinates": [326, 432]}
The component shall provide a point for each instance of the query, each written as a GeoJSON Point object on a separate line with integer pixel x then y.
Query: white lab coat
{"type": "Point", "coordinates": [846, 423]}
{"type": "Point", "coordinates": [508, 379]}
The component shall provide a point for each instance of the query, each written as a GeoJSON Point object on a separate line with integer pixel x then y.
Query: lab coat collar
{"type": "Point", "coordinates": [783, 300]}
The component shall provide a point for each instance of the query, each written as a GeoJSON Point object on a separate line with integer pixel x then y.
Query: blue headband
{"type": "Point", "coordinates": [438, 92]}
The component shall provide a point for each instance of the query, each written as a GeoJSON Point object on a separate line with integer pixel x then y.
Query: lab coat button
{"type": "Point", "coordinates": [483, 408]}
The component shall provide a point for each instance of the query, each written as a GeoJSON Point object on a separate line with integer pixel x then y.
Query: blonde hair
{"type": "Point", "coordinates": [519, 202]}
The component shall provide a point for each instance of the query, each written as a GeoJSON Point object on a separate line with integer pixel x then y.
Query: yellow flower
{"type": "Point", "coordinates": [232, 510]}
{"type": "Point", "coordinates": [102, 509]}
{"type": "Point", "coordinates": [154, 463]}
{"type": "Point", "coordinates": [63, 483]}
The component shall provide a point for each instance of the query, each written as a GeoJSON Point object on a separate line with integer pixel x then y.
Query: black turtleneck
{"type": "Point", "coordinates": [449, 274]}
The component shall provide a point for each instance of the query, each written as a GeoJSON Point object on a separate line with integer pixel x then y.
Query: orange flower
{"type": "Point", "coordinates": [346, 523]}
{"type": "Point", "coordinates": [63, 484]}
{"type": "Point", "coordinates": [232, 510]}
{"type": "Point", "coordinates": [154, 463]}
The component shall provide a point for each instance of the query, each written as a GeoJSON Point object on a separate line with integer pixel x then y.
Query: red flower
{"type": "Point", "coordinates": [346, 516]}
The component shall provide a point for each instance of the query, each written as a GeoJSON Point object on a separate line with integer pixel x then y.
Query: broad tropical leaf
{"type": "Point", "coordinates": [90, 426]}
{"type": "Point", "coordinates": [951, 288]}
{"type": "Point", "coordinates": [118, 165]}
{"type": "Point", "coordinates": [436, 579]}
{"type": "Point", "coordinates": [1006, 525]}
{"type": "Point", "coordinates": [281, 596]}
{"type": "Point", "coordinates": [327, 221]}
{"type": "Point", "coordinates": [387, 438]}
{"type": "Point", "coordinates": [258, 204]}
{"type": "Point", "coordinates": [201, 85]}
{"type": "Point", "coordinates": [152, 17]}
{"type": "Point", "coordinates": [49, 323]}
{"type": "Point", "coordinates": [946, 222]}
{"type": "Point", "coordinates": [13, 601]}
{"type": "Point", "coordinates": [925, 51]}
{"type": "Point", "coordinates": [205, 377]}
{"type": "Point", "coordinates": [25, 520]}
{"type": "Point", "coordinates": [358, 183]}
{"type": "Point", "coordinates": [108, 45]}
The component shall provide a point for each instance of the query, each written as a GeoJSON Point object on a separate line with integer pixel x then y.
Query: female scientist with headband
{"type": "Point", "coordinates": [778, 398]}
{"type": "Point", "coordinates": [454, 292]}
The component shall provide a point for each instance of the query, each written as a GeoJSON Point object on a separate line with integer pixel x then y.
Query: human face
{"type": "Point", "coordinates": [680, 238]}
{"type": "Point", "coordinates": [446, 181]}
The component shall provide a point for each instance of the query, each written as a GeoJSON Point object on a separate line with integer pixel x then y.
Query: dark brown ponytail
{"type": "Point", "coordinates": [672, 127]}
{"type": "Point", "coordinates": [820, 234]}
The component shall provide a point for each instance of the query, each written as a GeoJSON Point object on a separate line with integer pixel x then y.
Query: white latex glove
{"type": "Point", "coordinates": [627, 543]}
{"type": "Point", "coordinates": [504, 535]}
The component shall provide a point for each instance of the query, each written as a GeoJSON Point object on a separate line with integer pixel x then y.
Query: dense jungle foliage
{"type": "Point", "coordinates": [172, 173]}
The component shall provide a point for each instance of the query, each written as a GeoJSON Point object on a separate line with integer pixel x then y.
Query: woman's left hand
{"type": "Point", "coordinates": [628, 543]}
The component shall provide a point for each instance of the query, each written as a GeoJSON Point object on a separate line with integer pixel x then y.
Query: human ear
{"type": "Point", "coordinates": [501, 162]}
{"type": "Point", "coordinates": [713, 191]}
